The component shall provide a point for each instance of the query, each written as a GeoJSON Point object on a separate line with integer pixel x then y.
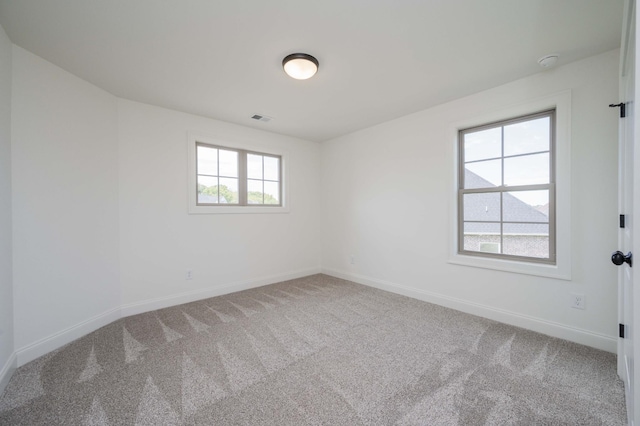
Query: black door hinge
{"type": "Point", "coordinates": [621, 221]}
{"type": "Point", "coordinates": [621, 331]}
{"type": "Point", "coordinates": [622, 106]}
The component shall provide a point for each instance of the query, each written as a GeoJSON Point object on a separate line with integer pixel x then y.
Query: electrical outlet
{"type": "Point", "coordinates": [189, 275]}
{"type": "Point", "coordinates": [352, 259]}
{"type": "Point", "coordinates": [577, 300]}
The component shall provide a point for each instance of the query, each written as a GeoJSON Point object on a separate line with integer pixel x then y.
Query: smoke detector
{"type": "Point", "coordinates": [548, 61]}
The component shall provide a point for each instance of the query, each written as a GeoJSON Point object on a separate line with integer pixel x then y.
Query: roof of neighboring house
{"type": "Point", "coordinates": [486, 207]}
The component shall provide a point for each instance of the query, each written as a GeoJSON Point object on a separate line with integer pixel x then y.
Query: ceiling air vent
{"type": "Point", "coordinates": [263, 118]}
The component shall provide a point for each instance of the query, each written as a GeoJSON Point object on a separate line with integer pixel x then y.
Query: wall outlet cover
{"type": "Point", "coordinates": [578, 300]}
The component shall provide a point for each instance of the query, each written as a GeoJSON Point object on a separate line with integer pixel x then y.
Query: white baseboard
{"type": "Point", "coordinates": [550, 328]}
{"type": "Point", "coordinates": [7, 371]}
{"type": "Point", "coordinates": [61, 338]}
{"type": "Point", "coordinates": [57, 340]}
{"type": "Point", "coordinates": [191, 296]}
{"type": "Point", "coordinates": [45, 345]}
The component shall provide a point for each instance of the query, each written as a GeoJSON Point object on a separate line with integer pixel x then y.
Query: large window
{"type": "Point", "coordinates": [506, 195]}
{"type": "Point", "coordinates": [236, 177]}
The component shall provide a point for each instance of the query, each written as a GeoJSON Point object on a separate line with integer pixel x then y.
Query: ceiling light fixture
{"type": "Point", "coordinates": [300, 66]}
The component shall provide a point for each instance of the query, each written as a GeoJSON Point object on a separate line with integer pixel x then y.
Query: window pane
{"type": "Point", "coordinates": [501, 158]}
{"type": "Point", "coordinates": [483, 174]}
{"type": "Point", "coordinates": [484, 237]}
{"type": "Point", "coordinates": [526, 170]}
{"type": "Point", "coordinates": [271, 192]}
{"type": "Point", "coordinates": [483, 144]}
{"type": "Point", "coordinates": [526, 206]}
{"type": "Point", "coordinates": [228, 191]}
{"type": "Point", "coordinates": [272, 168]}
{"type": "Point", "coordinates": [528, 136]}
{"type": "Point", "coordinates": [207, 190]}
{"type": "Point", "coordinates": [482, 207]}
{"type": "Point", "coordinates": [207, 161]}
{"type": "Point", "coordinates": [254, 166]}
{"type": "Point", "coordinates": [523, 239]}
{"type": "Point", "coordinates": [228, 163]}
{"type": "Point", "coordinates": [254, 192]}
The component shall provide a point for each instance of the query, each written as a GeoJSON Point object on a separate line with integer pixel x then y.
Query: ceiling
{"type": "Point", "coordinates": [379, 59]}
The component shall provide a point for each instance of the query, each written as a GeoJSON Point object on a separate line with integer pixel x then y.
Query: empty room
{"type": "Point", "coordinates": [245, 212]}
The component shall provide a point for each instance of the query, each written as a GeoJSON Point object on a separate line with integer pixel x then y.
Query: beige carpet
{"type": "Point", "coordinates": [315, 351]}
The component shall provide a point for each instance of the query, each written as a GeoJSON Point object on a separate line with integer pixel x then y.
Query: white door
{"type": "Point", "coordinates": [629, 201]}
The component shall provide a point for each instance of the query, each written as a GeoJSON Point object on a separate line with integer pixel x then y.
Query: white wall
{"type": "Point", "coordinates": [160, 241]}
{"type": "Point", "coordinates": [7, 362]}
{"type": "Point", "coordinates": [387, 194]}
{"type": "Point", "coordinates": [100, 225]}
{"type": "Point", "coordinates": [65, 205]}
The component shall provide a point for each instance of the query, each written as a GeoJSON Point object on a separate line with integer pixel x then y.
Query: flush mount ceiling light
{"type": "Point", "coordinates": [548, 61]}
{"type": "Point", "coordinates": [300, 66]}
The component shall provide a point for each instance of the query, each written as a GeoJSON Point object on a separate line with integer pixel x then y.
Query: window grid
{"type": "Point", "coordinates": [242, 177]}
{"type": "Point", "coordinates": [506, 157]}
{"type": "Point", "coordinates": [502, 189]}
{"type": "Point", "coordinates": [218, 176]}
{"type": "Point", "coordinates": [263, 179]}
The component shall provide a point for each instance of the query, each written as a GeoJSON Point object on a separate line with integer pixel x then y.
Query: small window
{"type": "Point", "coordinates": [506, 195]}
{"type": "Point", "coordinates": [236, 177]}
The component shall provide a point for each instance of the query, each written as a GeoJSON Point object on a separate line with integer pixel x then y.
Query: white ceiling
{"type": "Point", "coordinates": [379, 59]}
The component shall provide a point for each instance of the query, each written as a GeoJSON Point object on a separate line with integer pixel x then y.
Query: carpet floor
{"type": "Point", "coordinates": [315, 351]}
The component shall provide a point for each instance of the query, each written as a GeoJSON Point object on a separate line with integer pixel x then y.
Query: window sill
{"type": "Point", "coordinates": [236, 210]}
{"type": "Point", "coordinates": [535, 269]}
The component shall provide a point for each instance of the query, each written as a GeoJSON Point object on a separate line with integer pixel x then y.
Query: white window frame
{"type": "Point", "coordinates": [192, 181]}
{"type": "Point", "coordinates": [561, 102]}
